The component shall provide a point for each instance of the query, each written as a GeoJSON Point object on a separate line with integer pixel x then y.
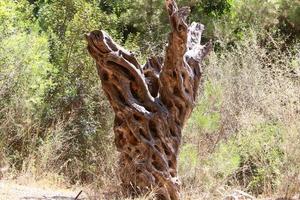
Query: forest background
{"type": "Point", "coordinates": [56, 124]}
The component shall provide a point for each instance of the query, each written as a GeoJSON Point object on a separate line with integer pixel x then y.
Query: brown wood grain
{"type": "Point", "coordinates": [151, 102]}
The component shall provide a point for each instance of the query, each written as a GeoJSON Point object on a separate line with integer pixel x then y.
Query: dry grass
{"type": "Point", "coordinates": [255, 93]}
{"type": "Point", "coordinates": [251, 89]}
{"type": "Point", "coordinates": [259, 87]}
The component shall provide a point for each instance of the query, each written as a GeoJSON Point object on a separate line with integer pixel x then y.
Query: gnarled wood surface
{"type": "Point", "coordinates": [151, 102]}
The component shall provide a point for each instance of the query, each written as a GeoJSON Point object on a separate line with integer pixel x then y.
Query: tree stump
{"type": "Point", "coordinates": [151, 102]}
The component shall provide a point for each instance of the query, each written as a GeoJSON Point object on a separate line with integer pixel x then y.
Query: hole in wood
{"type": "Point", "coordinates": [143, 134]}
{"type": "Point", "coordinates": [104, 75]}
{"type": "Point", "coordinates": [176, 91]}
{"type": "Point", "coordinates": [131, 59]}
{"type": "Point", "coordinates": [172, 174]}
{"type": "Point", "coordinates": [171, 165]}
{"type": "Point", "coordinates": [132, 139]}
{"type": "Point", "coordinates": [181, 28]}
{"type": "Point", "coordinates": [157, 165]}
{"type": "Point", "coordinates": [118, 121]}
{"type": "Point", "coordinates": [127, 157]}
{"type": "Point", "coordinates": [136, 117]}
{"type": "Point", "coordinates": [137, 151]}
{"type": "Point", "coordinates": [150, 109]}
{"type": "Point", "coordinates": [196, 71]}
{"type": "Point", "coordinates": [157, 147]}
{"type": "Point", "coordinates": [119, 139]}
{"type": "Point", "coordinates": [166, 150]}
{"type": "Point", "coordinates": [121, 70]}
{"type": "Point", "coordinates": [153, 129]}
{"type": "Point", "coordinates": [183, 76]}
{"type": "Point", "coordinates": [187, 91]}
{"type": "Point", "coordinates": [174, 74]}
{"type": "Point", "coordinates": [134, 91]}
{"type": "Point", "coordinates": [119, 96]}
{"type": "Point", "coordinates": [180, 109]}
{"type": "Point", "coordinates": [111, 44]}
{"type": "Point", "coordinates": [172, 132]}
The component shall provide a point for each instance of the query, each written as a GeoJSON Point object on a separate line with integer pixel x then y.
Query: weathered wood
{"type": "Point", "coordinates": [151, 102]}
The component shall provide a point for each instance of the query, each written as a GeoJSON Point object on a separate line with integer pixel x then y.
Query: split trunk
{"type": "Point", "coordinates": [151, 102]}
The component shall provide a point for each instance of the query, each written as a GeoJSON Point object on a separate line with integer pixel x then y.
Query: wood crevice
{"type": "Point", "coordinates": [151, 102]}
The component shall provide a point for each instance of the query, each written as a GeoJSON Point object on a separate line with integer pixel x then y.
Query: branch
{"type": "Point", "coordinates": [151, 70]}
{"type": "Point", "coordinates": [180, 76]}
{"type": "Point", "coordinates": [121, 75]}
{"type": "Point", "coordinates": [196, 53]}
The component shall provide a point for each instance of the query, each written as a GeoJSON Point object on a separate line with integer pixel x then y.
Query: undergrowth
{"type": "Point", "coordinates": [244, 133]}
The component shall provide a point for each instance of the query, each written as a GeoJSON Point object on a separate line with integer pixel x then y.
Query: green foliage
{"type": "Point", "coordinates": [188, 157]}
{"type": "Point", "coordinates": [289, 18]}
{"type": "Point", "coordinates": [24, 69]}
{"type": "Point", "coordinates": [188, 163]}
{"type": "Point", "coordinates": [76, 95]}
{"type": "Point", "coordinates": [255, 99]}
{"type": "Point", "coordinates": [14, 17]}
{"type": "Point", "coordinates": [54, 117]}
{"type": "Point", "coordinates": [226, 159]}
{"type": "Point", "coordinates": [48, 80]}
{"type": "Point", "coordinates": [262, 152]}
{"type": "Point", "coordinates": [206, 116]}
{"type": "Point", "coordinates": [253, 158]}
{"type": "Point", "coordinates": [26, 58]}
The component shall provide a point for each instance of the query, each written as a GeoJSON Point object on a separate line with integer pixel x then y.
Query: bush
{"type": "Point", "coordinates": [243, 133]}
{"type": "Point", "coordinates": [252, 88]}
{"type": "Point", "coordinates": [252, 159]}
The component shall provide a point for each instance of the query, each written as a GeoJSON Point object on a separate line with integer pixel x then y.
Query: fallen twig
{"type": "Point", "coordinates": [76, 198]}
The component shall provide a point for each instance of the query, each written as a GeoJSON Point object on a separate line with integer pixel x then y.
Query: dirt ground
{"type": "Point", "coordinates": [10, 190]}
{"type": "Point", "coordinates": [13, 190]}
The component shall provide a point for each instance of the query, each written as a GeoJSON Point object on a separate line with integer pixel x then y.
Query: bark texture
{"type": "Point", "coordinates": [151, 102]}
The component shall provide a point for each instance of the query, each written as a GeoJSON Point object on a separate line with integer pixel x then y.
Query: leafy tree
{"type": "Point", "coordinates": [24, 80]}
